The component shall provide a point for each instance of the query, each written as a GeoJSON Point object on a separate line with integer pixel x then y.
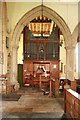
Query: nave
{"type": "Point", "coordinates": [30, 102]}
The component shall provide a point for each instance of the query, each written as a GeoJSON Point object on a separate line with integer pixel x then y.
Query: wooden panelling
{"type": "Point", "coordinates": [70, 99]}
{"type": "Point", "coordinates": [72, 104]}
{"type": "Point", "coordinates": [32, 76]}
{"type": "Point", "coordinates": [77, 106]}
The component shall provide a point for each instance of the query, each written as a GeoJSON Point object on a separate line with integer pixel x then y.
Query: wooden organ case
{"type": "Point", "coordinates": [41, 58]}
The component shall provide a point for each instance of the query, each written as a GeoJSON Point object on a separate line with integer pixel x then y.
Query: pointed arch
{"type": "Point", "coordinates": [36, 12]}
{"type": "Point", "coordinates": [76, 34]}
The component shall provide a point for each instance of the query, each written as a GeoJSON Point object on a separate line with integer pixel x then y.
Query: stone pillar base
{"type": "Point", "coordinates": [15, 86]}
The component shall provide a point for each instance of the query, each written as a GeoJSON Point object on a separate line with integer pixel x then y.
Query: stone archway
{"type": "Point", "coordinates": [23, 22]}
{"type": "Point", "coordinates": [76, 34]}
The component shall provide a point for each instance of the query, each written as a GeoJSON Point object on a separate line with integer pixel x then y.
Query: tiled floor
{"type": "Point", "coordinates": [33, 104]}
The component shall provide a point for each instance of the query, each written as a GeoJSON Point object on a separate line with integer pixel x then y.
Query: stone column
{"type": "Point", "coordinates": [78, 60]}
{"type": "Point", "coordinates": [70, 54]}
{"type": "Point", "coordinates": [1, 57]}
{"type": "Point", "coordinates": [4, 18]}
{"type": "Point", "coordinates": [1, 38]}
{"type": "Point", "coordinates": [3, 51]}
{"type": "Point", "coordinates": [70, 65]}
{"type": "Point", "coordinates": [13, 79]}
{"type": "Point", "coordinates": [67, 62]}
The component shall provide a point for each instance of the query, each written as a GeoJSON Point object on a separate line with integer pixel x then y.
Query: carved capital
{"type": "Point", "coordinates": [69, 47]}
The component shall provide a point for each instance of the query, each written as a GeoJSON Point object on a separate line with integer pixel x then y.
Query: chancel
{"type": "Point", "coordinates": [40, 60]}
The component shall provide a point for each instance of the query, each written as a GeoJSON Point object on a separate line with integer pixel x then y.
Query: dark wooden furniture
{"type": "Point", "coordinates": [54, 87]}
{"type": "Point", "coordinates": [72, 104]}
{"type": "Point", "coordinates": [32, 77]}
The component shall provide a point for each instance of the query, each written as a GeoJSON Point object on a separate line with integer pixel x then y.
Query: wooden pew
{"type": "Point", "coordinates": [72, 104]}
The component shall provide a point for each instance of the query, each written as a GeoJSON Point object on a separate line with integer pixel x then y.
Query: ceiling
{"type": "Point", "coordinates": [41, 26]}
